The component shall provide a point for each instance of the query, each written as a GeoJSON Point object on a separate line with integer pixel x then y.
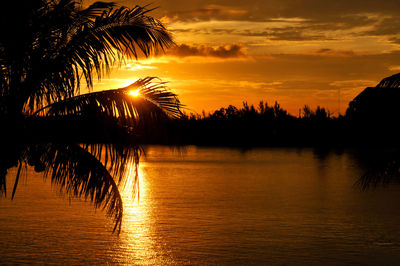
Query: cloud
{"type": "Point", "coordinates": [394, 68]}
{"type": "Point", "coordinates": [208, 12]}
{"type": "Point", "coordinates": [387, 26]}
{"type": "Point", "coordinates": [275, 29]}
{"type": "Point", "coordinates": [215, 11]}
{"type": "Point", "coordinates": [332, 52]}
{"type": "Point", "coordinates": [223, 52]}
{"type": "Point", "coordinates": [293, 34]}
{"type": "Point", "coordinates": [260, 10]}
{"type": "Point", "coordinates": [358, 83]}
{"type": "Point", "coordinates": [395, 40]}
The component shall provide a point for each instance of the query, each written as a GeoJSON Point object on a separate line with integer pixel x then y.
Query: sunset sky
{"type": "Point", "coordinates": [295, 52]}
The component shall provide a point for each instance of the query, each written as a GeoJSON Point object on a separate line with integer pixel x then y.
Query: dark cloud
{"type": "Point", "coordinates": [293, 34]}
{"type": "Point", "coordinates": [212, 12]}
{"type": "Point", "coordinates": [209, 31]}
{"type": "Point", "coordinates": [346, 22]}
{"type": "Point", "coordinates": [395, 40]}
{"type": "Point", "coordinates": [388, 26]}
{"type": "Point", "coordinates": [295, 29]}
{"type": "Point", "coordinates": [284, 34]}
{"type": "Point", "coordinates": [332, 52]}
{"type": "Point", "coordinates": [340, 22]}
{"type": "Point", "coordinates": [231, 51]}
{"type": "Point", "coordinates": [345, 12]}
{"type": "Point", "coordinates": [260, 10]}
{"type": "Point", "coordinates": [320, 15]}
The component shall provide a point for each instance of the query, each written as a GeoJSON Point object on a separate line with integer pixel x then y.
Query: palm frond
{"type": "Point", "coordinates": [58, 43]}
{"type": "Point", "coordinates": [3, 184]}
{"type": "Point", "coordinates": [117, 158]}
{"type": "Point", "coordinates": [97, 172]}
{"type": "Point", "coordinates": [11, 155]}
{"type": "Point", "coordinates": [79, 172]}
{"type": "Point", "coordinates": [96, 45]}
{"type": "Point", "coordinates": [381, 170]}
{"type": "Point", "coordinates": [153, 103]}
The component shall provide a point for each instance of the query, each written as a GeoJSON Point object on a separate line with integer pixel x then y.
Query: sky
{"type": "Point", "coordinates": [296, 52]}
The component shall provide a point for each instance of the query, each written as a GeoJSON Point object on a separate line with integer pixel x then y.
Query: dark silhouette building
{"type": "Point", "coordinates": [377, 104]}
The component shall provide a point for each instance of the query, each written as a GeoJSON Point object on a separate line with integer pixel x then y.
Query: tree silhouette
{"type": "Point", "coordinates": [52, 46]}
{"type": "Point", "coordinates": [48, 50]}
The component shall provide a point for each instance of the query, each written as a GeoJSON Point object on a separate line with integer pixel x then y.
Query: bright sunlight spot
{"type": "Point", "coordinates": [134, 93]}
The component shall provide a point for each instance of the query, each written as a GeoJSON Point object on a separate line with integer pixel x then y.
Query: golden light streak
{"type": "Point", "coordinates": [137, 229]}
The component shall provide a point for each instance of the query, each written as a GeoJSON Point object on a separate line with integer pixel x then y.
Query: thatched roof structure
{"type": "Point", "coordinates": [380, 103]}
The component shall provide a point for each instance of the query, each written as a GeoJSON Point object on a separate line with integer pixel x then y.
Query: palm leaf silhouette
{"type": "Point", "coordinates": [153, 103]}
{"type": "Point", "coordinates": [52, 48]}
{"type": "Point", "coordinates": [382, 172]}
{"type": "Point", "coordinates": [97, 172]}
{"type": "Point", "coordinates": [85, 171]}
{"type": "Point", "coordinates": [56, 43]}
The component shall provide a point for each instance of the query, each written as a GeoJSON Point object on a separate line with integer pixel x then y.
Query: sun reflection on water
{"type": "Point", "coordinates": [137, 228]}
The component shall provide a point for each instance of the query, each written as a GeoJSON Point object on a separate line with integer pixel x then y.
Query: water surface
{"type": "Point", "coordinates": [213, 206]}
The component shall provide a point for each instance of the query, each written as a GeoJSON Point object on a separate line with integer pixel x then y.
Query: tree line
{"type": "Point", "coordinates": [262, 111]}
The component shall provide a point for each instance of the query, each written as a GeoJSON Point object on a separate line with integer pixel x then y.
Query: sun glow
{"type": "Point", "coordinates": [134, 93]}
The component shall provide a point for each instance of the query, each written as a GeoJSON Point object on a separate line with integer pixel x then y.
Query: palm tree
{"type": "Point", "coordinates": [48, 47]}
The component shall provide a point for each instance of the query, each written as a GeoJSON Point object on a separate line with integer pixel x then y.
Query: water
{"type": "Point", "coordinates": [213, 206]}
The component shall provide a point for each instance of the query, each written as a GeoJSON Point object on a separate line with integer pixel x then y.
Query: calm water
{"type": "Point", "coordinates": [213, 206]}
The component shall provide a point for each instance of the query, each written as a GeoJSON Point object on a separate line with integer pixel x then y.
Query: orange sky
{"type": "Point", "coordinates": [296, 52]}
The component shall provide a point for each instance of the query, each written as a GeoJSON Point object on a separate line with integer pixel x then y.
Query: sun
{"type": "Point", "coordinates": [134, 93]}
